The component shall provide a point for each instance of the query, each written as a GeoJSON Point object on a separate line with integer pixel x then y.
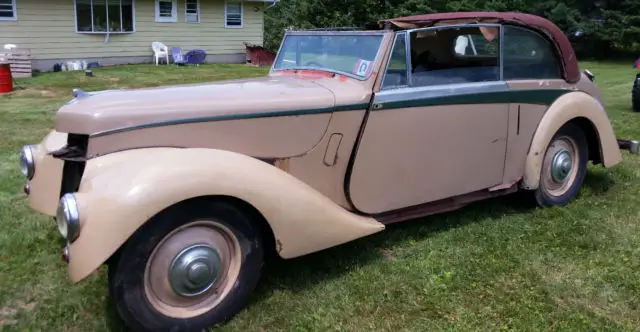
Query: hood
{"type": "Point", "coordinates": [104, 111]}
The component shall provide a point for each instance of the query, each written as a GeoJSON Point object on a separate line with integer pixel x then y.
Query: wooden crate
{"type": "Point", "coordinates": [20, 61]}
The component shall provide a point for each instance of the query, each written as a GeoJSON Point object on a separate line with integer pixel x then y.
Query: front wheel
{"type": "Point", "coordinates": [191, 267]}
{"type": "Point", "coordinates": [563, 168]}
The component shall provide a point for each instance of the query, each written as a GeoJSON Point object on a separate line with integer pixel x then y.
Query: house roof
{"type": "Point", "coordinates": [571, 71]}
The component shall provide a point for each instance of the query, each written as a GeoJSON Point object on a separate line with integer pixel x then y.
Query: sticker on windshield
{"type": "Point", "coordinates": [362, 67]}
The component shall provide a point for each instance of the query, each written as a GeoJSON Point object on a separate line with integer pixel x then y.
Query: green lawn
{"type": "Point", "coordinates": [498, 264]}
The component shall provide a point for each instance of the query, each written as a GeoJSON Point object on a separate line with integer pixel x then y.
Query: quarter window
{"type": "Point", "coordinates": [104, 16]}
{"type": "Point", "coordinates": [8, 10]}
{"type": "Point", "coordinates": [166, 11]}
{"type": "Point", "coordinates": [396, 74]}
{"type": "Point", "coordinates": [528, 55]}
{"type": "Point", "coordinates": [192, 11]}
{"type": "Point", "coordinates": [233, 14]}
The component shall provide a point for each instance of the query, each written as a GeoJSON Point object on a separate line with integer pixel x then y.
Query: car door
{"type": "Point", "coordinates": [435, 133]}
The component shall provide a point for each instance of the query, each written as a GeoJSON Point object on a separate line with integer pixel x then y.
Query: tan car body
{"type": "Point", "coordinates": [284, 144]}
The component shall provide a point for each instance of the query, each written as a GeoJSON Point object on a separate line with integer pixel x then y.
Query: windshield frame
{"type": "Point", "coordinates": [375, 62]}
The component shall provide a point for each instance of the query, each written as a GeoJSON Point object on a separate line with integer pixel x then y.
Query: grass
{"type": "Point", "coordinates": [496, 265]}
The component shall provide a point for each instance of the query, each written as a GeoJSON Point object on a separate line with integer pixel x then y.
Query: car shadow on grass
{"type": "Point", "coordinates": [301, 273]}
{"type": "Point", "coordinates": [598, 182]}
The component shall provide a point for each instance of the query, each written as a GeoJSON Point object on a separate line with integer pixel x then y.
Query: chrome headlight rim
{"type": "Point", "coordinates": [68, 217]}
{"type": "Point", "coordinates": [27, 163]}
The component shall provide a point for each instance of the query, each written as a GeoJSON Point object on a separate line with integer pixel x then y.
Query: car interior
{"type": "Point", "coordinates": [470, 55]}
{"type": "Point", "coordinates": [435, 60]}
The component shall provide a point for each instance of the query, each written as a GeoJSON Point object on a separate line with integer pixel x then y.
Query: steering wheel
{"type": "Point", "coordinates": [314, 64]}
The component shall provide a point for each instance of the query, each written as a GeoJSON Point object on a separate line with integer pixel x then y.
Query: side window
{"type": "Point", "coordinates": [396, 74]}
{"type": "Point", "coordinates": [455, 55]}
{"type": "Point", "coordinates": [528, 55]}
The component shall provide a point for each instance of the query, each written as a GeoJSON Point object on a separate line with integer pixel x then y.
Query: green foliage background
{"type": "Point", "coordinates": [606, 28]}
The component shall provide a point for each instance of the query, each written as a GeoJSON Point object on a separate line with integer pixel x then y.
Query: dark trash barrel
{"type": "Point", "coordinates": [6, 80]}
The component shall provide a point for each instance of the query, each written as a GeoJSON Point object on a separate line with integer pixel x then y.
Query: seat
{"type": "Point", "coordinates": [178, 57]}
{"type": "Point", "coordinates": [160, 50]}
{"type": "Point", "coordinates": [195, 57]}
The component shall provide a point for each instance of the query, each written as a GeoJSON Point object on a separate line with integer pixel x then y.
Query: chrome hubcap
{"type": "Point", "coordinates": [561, 166]}
{"type": "Point", "coordinates": [195, 269]}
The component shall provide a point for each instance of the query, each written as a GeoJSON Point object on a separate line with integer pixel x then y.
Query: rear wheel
{"type": "Point", "coordinates": [563, 167]}
{"type": "Point", "coordinates": [635, 94]}
{"type": "Point", "coordinates": [191, 267]}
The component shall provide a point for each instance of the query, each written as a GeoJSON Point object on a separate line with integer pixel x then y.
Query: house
{"type": "Point", "coordinates": [121, 31]}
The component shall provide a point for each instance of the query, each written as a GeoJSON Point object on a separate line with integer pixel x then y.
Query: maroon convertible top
{"type": "Point", "coordinates": [571, 71]}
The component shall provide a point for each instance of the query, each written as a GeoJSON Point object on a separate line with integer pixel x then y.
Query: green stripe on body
{"type": "Point", "coordinates": [540, 97]}
{"type": "Point", "coordinates": [227, 117]}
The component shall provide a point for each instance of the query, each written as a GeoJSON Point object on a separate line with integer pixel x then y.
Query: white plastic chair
{"type": "Point", "coordinates": [160, 50]}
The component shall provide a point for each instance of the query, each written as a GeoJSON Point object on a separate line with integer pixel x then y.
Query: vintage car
{"type": "Point", "coordinates": [181, 190]}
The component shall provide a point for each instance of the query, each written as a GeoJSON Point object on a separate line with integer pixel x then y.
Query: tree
{"type": "Point", "coordinates": [597, 28]}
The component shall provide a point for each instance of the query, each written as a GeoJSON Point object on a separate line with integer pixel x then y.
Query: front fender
{"type": "Point", "coordinates": [570, 106]}
{"type": "Point", "coordinates": [121, 191]}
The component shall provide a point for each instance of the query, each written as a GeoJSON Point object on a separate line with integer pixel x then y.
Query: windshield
{"type": "Point", "coordinates": [351, 55]}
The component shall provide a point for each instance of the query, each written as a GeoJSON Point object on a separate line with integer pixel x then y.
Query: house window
{"type": "Point", "coordinates": [233, 14]}
{"type": "Point", "coordinates": [166, 11]}
{"type": "Point", "coordinates": [192, 11]}
{"type": "Point", "coordinates": [102, 16]}
{"type": "Point", "coordinates": [8, 10]}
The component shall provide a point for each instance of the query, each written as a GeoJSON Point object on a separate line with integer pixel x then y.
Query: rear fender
{"type": "Point", "coordinates": [571, 106]}
{"type": "Point", "coordinates": [121, 191]}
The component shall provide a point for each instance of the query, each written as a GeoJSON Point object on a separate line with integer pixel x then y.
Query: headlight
{"type": "Point", "coordinates": [68, 218]}
{"type": "Point", "coordinates": [27, 165]}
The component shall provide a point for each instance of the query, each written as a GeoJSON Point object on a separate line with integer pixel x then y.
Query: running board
{"type": "Point", "coordinates": [444, 205]}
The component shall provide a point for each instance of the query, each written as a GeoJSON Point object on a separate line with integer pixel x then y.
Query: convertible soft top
{"type": "Point", "coordinates": [571, 71]}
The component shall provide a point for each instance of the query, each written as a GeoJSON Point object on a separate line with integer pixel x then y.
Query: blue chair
{"type": "Point", "coordinates": [178, 57]}
{"type": "Point", "coordinates": [195, 57]}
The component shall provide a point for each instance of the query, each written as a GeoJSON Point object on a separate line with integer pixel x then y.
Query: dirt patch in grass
{"type": "Point", "coordinates": [7, 314]}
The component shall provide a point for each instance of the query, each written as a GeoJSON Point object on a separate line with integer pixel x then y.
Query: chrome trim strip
{"type": "Point", "coordinates": [501, 53]}
{"type": "Point", "coordinates": [407, 44]}
{"type": "Point", "coordinates": [436, 91]}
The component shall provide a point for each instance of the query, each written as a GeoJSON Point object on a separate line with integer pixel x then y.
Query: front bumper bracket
{"type": "Point", "coordinates": [630, 145]}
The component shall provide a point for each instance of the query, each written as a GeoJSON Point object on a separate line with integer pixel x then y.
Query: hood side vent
{"type": "Point", "coordinates": [75, 150]}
